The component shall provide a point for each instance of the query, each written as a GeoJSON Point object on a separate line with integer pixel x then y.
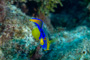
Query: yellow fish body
{"type": "Point", "coordinates": [36, 33]}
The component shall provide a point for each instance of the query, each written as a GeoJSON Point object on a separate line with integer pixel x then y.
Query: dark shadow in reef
{"type": "Point", "coordinates": [73, 14]}
{"type": "Point", "coordinates": [30, 6]}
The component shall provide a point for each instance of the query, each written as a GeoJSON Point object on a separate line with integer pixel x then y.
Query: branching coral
{"type": "Point", "coordinates": [45, 6]}
{"type": "Point", "coordinates": [48, 5]}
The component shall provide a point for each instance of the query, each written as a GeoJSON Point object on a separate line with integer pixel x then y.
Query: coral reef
{"type": "Point", "coordinates": [16, 34]}
{"type": "Point", "coordinates": [18, 43]}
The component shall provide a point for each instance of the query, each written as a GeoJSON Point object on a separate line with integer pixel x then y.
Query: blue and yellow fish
{"type": "Point", "coordinates": [39, 34]}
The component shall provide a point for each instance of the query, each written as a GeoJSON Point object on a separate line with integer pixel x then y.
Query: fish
{"type": "Point", "coordinates": [39, 34]}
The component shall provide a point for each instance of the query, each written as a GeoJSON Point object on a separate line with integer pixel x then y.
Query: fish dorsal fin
{"type": "Point", "coordinates": [37, 21]}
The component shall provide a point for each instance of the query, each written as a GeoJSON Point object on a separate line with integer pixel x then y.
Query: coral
{"type": "Point", "coordinates": [38, 54]}
{"type": "Point", "coordinates": [17, 42]}
{"type": "Point", "coordinates": [44, 6]}
{"type": "Point", "coordinates": [2, 10]}
{"type": "Point", "coordinates": [48, 5]}
{"type": "Point", "coordinates": [16, 39]}
{"type": "Point", "coordinates": [24, 8]}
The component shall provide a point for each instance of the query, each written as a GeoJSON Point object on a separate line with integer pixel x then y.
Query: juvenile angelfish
{"type": "Point", "coordinates": [38, 34]}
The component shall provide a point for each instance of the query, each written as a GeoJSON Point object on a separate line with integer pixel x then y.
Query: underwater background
{"type": "Point", "coordinates": [44, 29]}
